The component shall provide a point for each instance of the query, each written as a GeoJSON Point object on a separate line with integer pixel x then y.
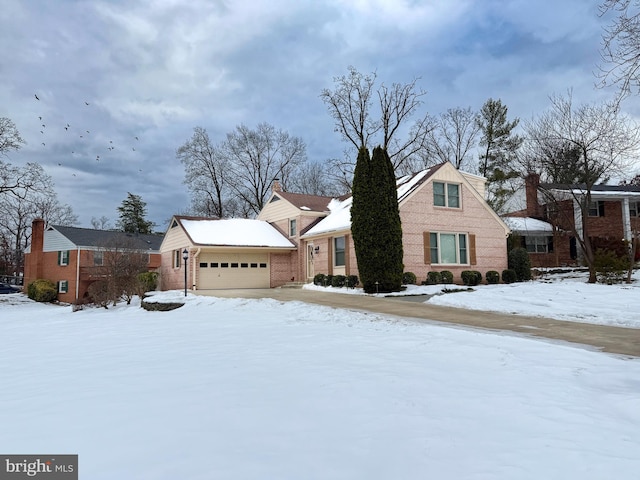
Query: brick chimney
{"type": "Point", "coordinates": [532, 181]}
{"type": "Point", "coordinates": [37, 246]}
{"type": "Point", "coordinates": [276, 185]}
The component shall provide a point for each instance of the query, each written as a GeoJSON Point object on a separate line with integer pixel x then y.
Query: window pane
{"type": "Point", "coordinates": [292, 228]}
{"type": "Point", "coordinates": [453, 194]}
{"type": "Point", "coordinates": [339, 251]}
{"type": "Point", "coordinates": [438, 194]}
{"type": "Point", "coordinates": [433, 241]}
{"type": "Point", "coordinates": [448, 248]}
{"type": "Point", "coordinates": [462, 241]}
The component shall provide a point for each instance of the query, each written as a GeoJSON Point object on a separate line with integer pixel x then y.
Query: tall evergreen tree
{"type": "Point", "coordinates": [132, 216]}
{"type": "Point", "coordinates": [375, 222]}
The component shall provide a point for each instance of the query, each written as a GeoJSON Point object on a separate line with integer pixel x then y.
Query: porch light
{"type": "Point", "coordinates": [317, 249]}
{"type": "Point", "coordinates": [185, 256]}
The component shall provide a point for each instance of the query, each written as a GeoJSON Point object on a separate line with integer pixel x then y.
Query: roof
{"type": "Point", "coordinates": [620, 191]}
{"type": "Point", "coordinates": [90, 237]}
{"type": "Point", "coordinates": [339, 217]}
{"type": "Point", "coordinates": [314, 203]}
{"type": "Point", "coordinates": [528, 225]}
{"type": "Point", "coordinates": [233, 232]}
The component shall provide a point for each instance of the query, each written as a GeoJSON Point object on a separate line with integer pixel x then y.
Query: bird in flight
{"type": "Point", "coordinates": [36, 97]}
{"type": "Point", "coordinates": [86, 103]}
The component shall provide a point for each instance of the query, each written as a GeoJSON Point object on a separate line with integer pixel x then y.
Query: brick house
{"type": "Point", "coordinates": [73, 257]}
{"type": "Point", "coordinates": [545, 228]}
{"type": "Point", "coordinates": [446, 223]}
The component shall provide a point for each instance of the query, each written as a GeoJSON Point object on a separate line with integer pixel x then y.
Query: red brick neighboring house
{"type": "Point", "coordinates": [545, 228]}
{"type": "Point", "coordinates": [71, 257]}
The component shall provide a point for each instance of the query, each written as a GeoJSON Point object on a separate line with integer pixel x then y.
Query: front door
{"type": "Point", "coordinates": [310, 269]}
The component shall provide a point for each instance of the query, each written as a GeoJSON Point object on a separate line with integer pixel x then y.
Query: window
{"type": "Point", "coordinates": [177, 258]}
{"type": "Point", "coordinates": [63, 286]}
{"type": "Point", "coordinates": [63, 257]}
{"type": "Point", "coordinates": [538, 244]}
{"type": "Point", "coordinates": [448, 248]}
{"type": "Point", "coordinates": [292, 227]}
{"type": "Point", "coordinates": [263, 265]}
{"type": "Point", "coordinates": [254, 265]}
{"type": "Point", "coordinates": [234, 265]}
{"type": "Point", "coordinates": [98, 257]}
{"type": "Point", "coordinates": [203, 264]}
{"type": "Point", "coordinates": [634, 209]}
{"type": "Point", "coordinates": [446, 195]}
{"type": "Point", "coordinates": [244, 265]}
{"type": "Point", "coordinates": [224, 265]}
{"type": "Point", "coordinates": [339, 250]}
{"type": "Point", "coordinates": [596, 208]}
{"type": "Point", "coordinates": [214, 264]}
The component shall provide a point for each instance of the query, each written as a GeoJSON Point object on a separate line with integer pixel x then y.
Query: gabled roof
{"type": "Point", "coordinates": [90, 237]}
{"type": "Point", "coordinates": [528, 225]}
{"type": "Point", "coordinates": [233, 232]}
{"type": "Point", "coordinates": [340, 216]}
{"type": "Point", "coordinates": [313, 203]}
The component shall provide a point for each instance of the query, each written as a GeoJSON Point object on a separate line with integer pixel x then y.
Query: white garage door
{"type": "Point", "coordinates": [239, 270]}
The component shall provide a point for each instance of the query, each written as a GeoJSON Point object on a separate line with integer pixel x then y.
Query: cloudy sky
{"type": "Point", "coordinates": [128, 80]}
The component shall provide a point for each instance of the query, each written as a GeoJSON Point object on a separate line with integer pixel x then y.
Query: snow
{"type": "Point", "coordinates": [528, 224]}
{"type": "Point", "coordinates": [240, 232]}
{"type": "Point", "coordinates": [256, 389]}
{"type": "Point", "coordinates": [565, 297]}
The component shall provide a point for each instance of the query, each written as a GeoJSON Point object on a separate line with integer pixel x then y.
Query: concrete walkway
{"type": "Point", "coordinates": [624, 341]}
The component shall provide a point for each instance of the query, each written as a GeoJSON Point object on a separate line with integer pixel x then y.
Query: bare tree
{"type": "Point", "coordinates": [206, 174]}
{"type": "Point", "coordinates": [603, 143]}
{"type": "Point", "coordinates": [10, 138]}
{"type": "Point", "coordinates": [360, 123]}
{"type": "Point", "coordinates": [101, 223]}
{"type": "Point", "coordinates": [621, 47]}
{"type": "Point", "coordinates": [314, 179]}
{"type": "Point", "coordinates": [454, 136]}
{"type": "Point", "coordinates": [257, 157]}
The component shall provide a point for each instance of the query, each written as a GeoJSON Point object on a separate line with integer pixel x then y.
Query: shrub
{"type": "Point", "coordinates": [471, 277]}
{"type": "Point", "coordinates": [338, 281]}
{"type": "Point", "coordinates": [409, 278]}
{"type": "Point", "coordinates": [447, 277]}
{"type": "Point", "coordinates": [319, 279]}
{"type": "Point", "coordinates": [328, 280]}
{"type": "Point", "coordinates": [42, 290]}
{"type": "Point", "coordinates": [519, 262]}
{"type": "Point", "coordinates": [434, 278]}
{"type": "Point", "coordinates": [147, 281]}
{"type": "Point", "coordinates": [492, 277]}
{"type": "Point", "coordinates": [610, 268]}
{"type": "Point", "coordinates": [509, 276]}
{"type": "Point", "coordinates": [352, 281]}
{"type": "Point", "coordinates": [99, 293]}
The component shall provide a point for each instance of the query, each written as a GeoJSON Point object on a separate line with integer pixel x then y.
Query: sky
{"type": "Point", "coordinates": [244, 389]}
{"type": "Point", "coordinates": [122, 84]}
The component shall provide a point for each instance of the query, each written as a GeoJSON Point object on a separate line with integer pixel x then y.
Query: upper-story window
{"type": "Point", "coordinates": [63, 257]}
{"type": "Point", "coordinates": [98, 257]}
{"type": "Point", "coordinates": [293, 227]}
{"type": "Point", "coordinates": [634, 209]}
{"type": "Point", "coordinates": [177, 258]}
{"type": "Point", "coordinates": [446, 194]}
{"type": "Point", "coordinates": [596, 208]}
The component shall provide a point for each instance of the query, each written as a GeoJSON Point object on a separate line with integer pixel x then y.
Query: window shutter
{"type": "Point", "coordinates": [601, 209]}
{"type": "Point", "coordinates": [59, 257]}
{"type": "Point", "coordinates": [330, 256]}
{"type": "Point", "coordinates": [347, 269]}
{"type": "Point", "coordinates": [472, 249]}
{"type": "Point", "coordinates": [550, 245]}
{"type": "Point", "coordinates": [426, 236]}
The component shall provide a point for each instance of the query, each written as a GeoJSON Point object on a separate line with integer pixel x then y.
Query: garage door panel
{"type": "Point", "coordinates": [241, 270]}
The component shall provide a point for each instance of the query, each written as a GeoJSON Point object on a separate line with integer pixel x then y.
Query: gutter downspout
{"type": "Point", "coordinates": [78, 275]}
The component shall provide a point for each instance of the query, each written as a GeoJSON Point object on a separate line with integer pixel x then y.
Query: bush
{"type": "Point", "coordinates": [434, 278]}
{"type": "Point", "coordinates": [409, 278]}
{"type": "Point", "coordinates": [492, 277]}
{"type": "Point", "coordinates": [328, 280]}
{"type": "Point", "coordinates": [352, 281]}
{"type": "Point", "coordinates": [447, 277]}
{"type": "Point", "coordinates": [610, 268]}
{"type": "Point", "coordinates": [99, 293]}
{"type": "Point", "coordinates": [319, 279]}
{"type": "Point", "coordinates": [471, 277]}
{"type": "Point", "coordinates": [338, 281]}
{"type": "Point", "coordinates": [509, 276]}
{"type": "Point", "coordinates": [42, 290]}
{"type": "Point", "coordinates": [519, 262]}
{"type": "Point", "coordinates": [147, 281]}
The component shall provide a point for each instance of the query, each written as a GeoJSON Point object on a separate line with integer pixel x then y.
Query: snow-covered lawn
{"type": "Point", "coordinates": [258, 389]}
{"type": "Point", "coordinates": [565, 296]}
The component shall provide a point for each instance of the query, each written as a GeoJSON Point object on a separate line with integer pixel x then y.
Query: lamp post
{"type": "Point", "coordinates": [185, 256]}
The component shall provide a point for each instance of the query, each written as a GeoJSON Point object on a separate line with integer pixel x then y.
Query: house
{"type": "Point", "coordinates": [446, 224]}
{"type": "Point", "coordinates": [545, 228]}
{"type": "Point", "coordinates": [74, 258]}
{"type": "Point", "coordinates": [224, 253]}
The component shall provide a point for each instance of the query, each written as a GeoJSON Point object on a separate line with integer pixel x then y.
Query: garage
{"type": "Point", "coordinates": [233, 270]}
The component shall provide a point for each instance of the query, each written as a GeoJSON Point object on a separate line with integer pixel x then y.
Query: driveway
{"type": "Point", "coordinates": [624, 341]}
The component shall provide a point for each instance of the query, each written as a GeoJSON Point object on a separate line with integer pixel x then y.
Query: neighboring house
{"type": "Point", "coordinates": [232, 253]}
{"type": "Point", "coordinates": [546, 229]}
{"type": "Point", "coordinates": [74, 258]}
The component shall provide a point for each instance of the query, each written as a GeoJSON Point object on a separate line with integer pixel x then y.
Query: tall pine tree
{"type": "Point", "coordinates": [375, 223]}
{"type": "Point", "coordinates": [132, 213]}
